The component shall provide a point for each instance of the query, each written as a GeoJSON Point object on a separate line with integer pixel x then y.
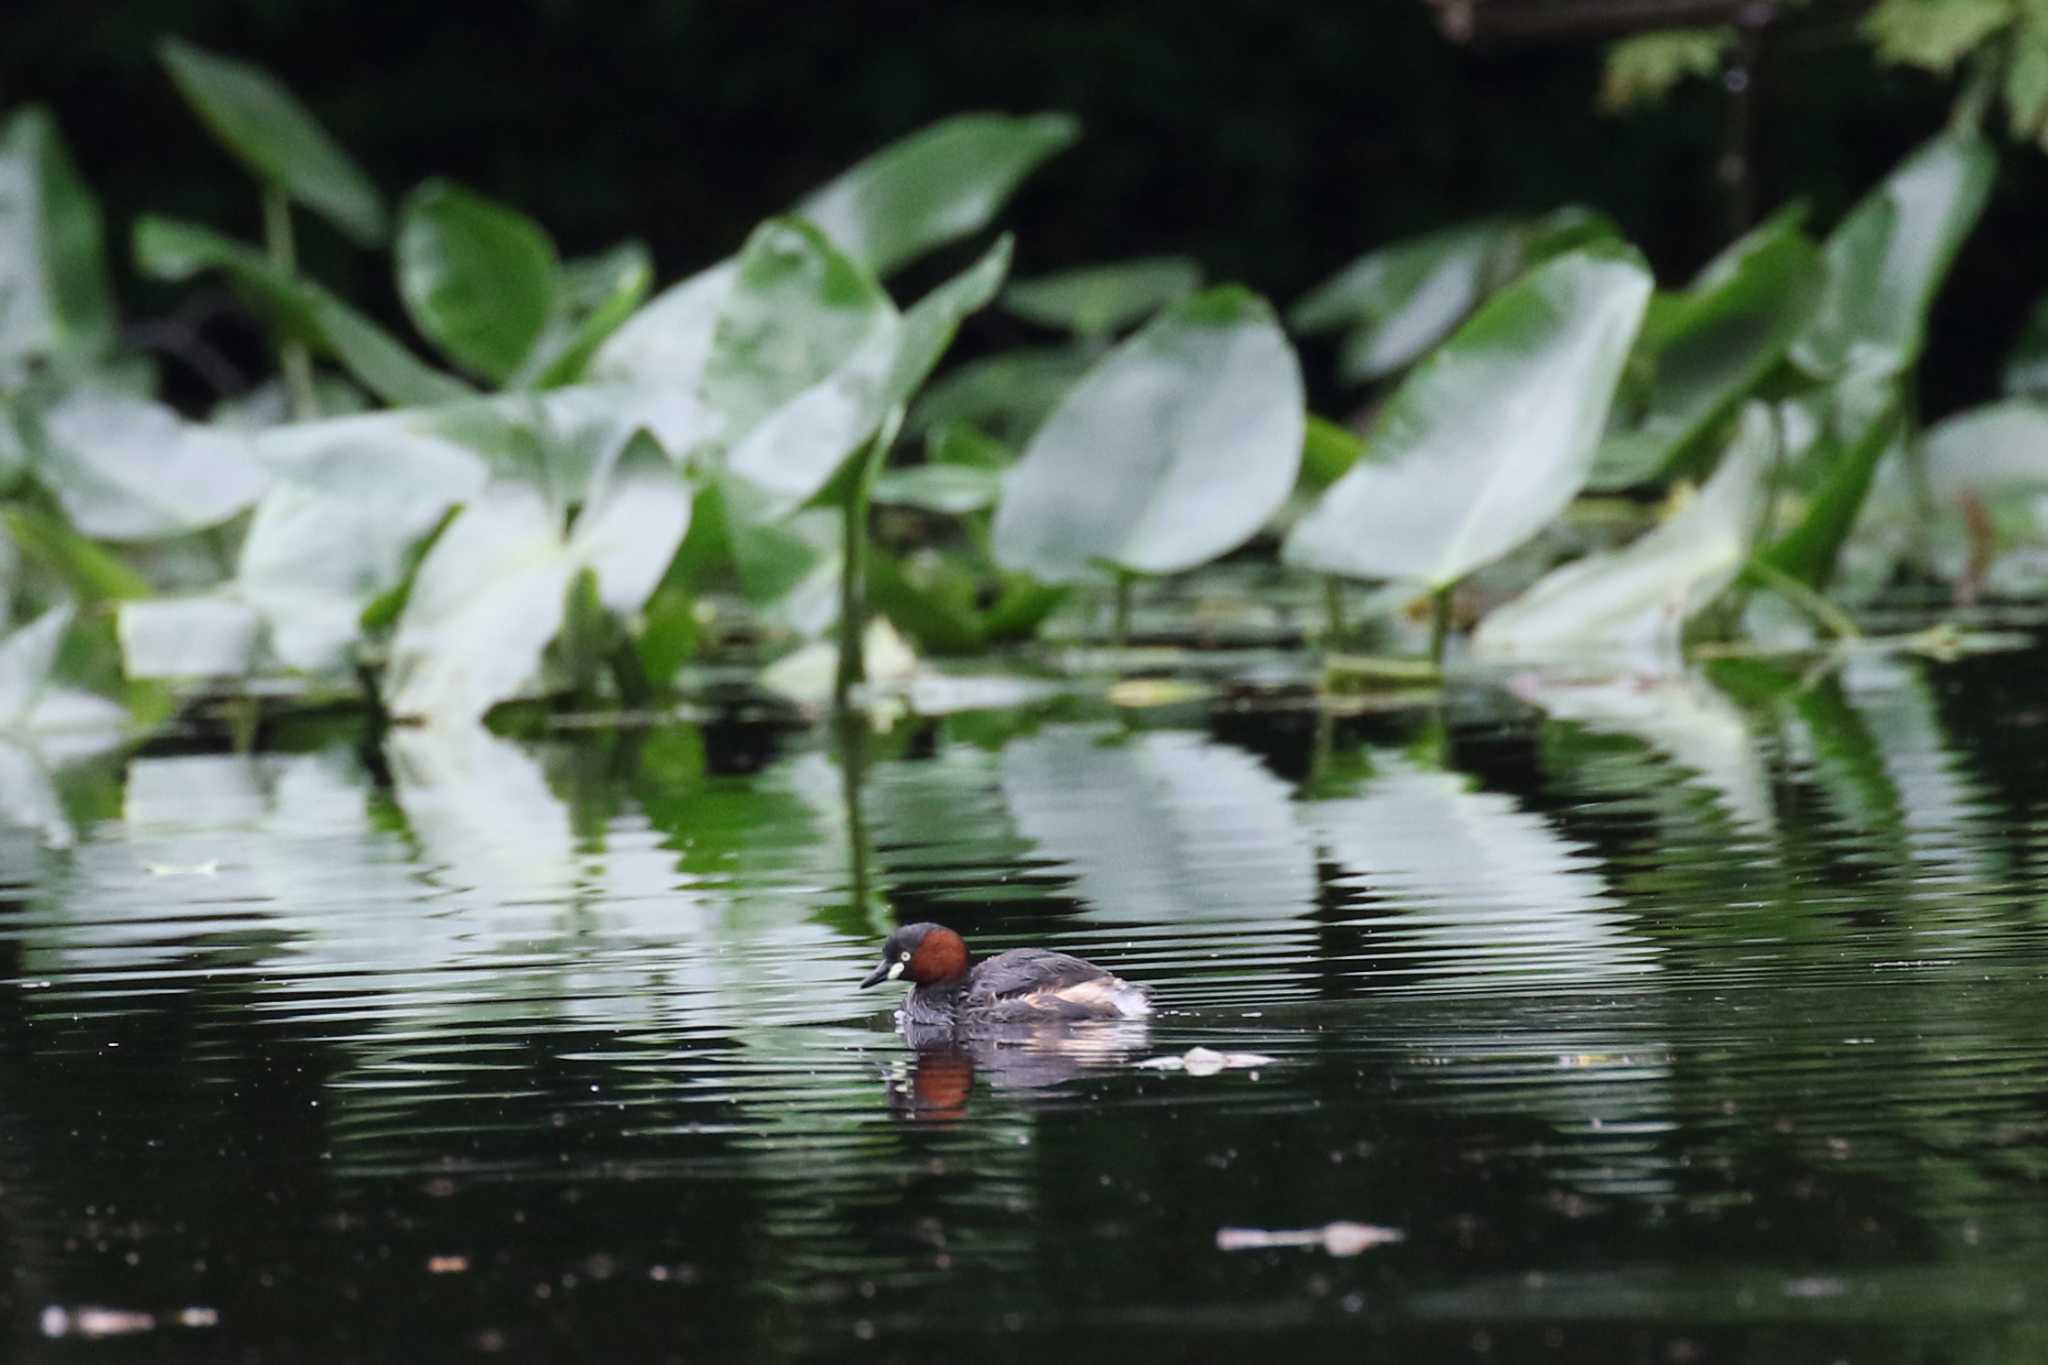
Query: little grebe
{"type": "Point", "coordinates": [1024, 985]}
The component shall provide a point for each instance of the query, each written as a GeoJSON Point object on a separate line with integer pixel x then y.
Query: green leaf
{"type": "Point", "coordinates": [28, 657]}
{"type": "Point", "coordinates": [259, 121]}
{"type": "Point", "coordinates": [1721, 339]}
{"type": "Point", "coordinates": [1867, 422]}
{"type": "Point", "coordinates": [1007, 395]}
{"type": "Point", "coordinates": [91, 572]}
{"type": "Point", "coordinates": [1934, 34]}
{"type": "Point", "coordinates": [1492, 436]}
{"type": "Point", "coordinates": [1642, 70]}
{"type": "Point", "coordinates": [1984, 451]}
{"type": "Point", "coordinates": [1635, 602]}
{"type": "Point", "coordinates": [491, 593]}
{"type": "Point", "coordinates": [1328, 451]}
{"type": "Point", "coordinates": [1402, 299]}
{"type": "Point", "coordinates": [1887, 259]}
{"type": "Point", "coordinates": [1097, 300]}
{"type": "Point", "coordinates": [55, 296]}
{"type": "Point", "coordinates": [800, 363]}
{"type": "Point", "coordinates": [930, 325]}
{"type": "Point", "coordinates": [593, 298]}
{"type": "Point", "coordinates": [477, 278]}
{"type": "Point", "coordinates": [168, 250]}
{"type": "Point", "coordinates": [933, 187]}
{"type": "Point", "coordinates": [128, 469]}
{"type": "Point", "coordinates": [1173, 450]}
{"type": "Point", "coordinates": [669, 340]}
{"type": "Point", "coordinates": [959, 444]}
{"type": "Point", "coordinates": [949, 489]}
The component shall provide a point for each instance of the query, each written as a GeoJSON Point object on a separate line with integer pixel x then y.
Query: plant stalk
{"type": "Point", "coordinates": [1333, 606]}
{"type": "Point", "coordinates": [1123, 608]}
{"type": "Point", "coordinates": [1439, 624]}
{"type": "Point", "coordinates": [1795, 591]}
{"type": "Point", "coordinates": [853, 578]}
{"type": "Point", "coordinates": [292, 355]}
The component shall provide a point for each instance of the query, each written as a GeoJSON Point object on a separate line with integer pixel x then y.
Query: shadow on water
{"type": "Point", "coordinates": [1689, 1020]}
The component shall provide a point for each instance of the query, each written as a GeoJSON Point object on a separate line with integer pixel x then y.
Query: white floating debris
{"type": "Point", "coordinates": [1202, 1061]}
{"type": "Point", "coordinates": [95, 1322]}
{"type": "Point", "coordinates": [1338, 1239]}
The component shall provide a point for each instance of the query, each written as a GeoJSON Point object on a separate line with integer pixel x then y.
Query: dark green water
{"type": "Point", "coordinates": [1666, 1022]}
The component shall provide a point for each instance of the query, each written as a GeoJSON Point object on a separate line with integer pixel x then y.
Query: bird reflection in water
{"type": "Point", "coordinates": [935, 1085]}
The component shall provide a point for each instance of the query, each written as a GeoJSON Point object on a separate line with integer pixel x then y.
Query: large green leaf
{"type": "Point", "coordinates": [1171, 451]}
{"type": "Point", "coordinates": [128, 469]}
{"type": "Point", "coordinates": [668, 340]}
{"type": "Point", "coordinates": [1717, 342]}
{"type": "Point", "coordinates": [933, 187]}
{"type": "Point", "coordinates": [1398, 301]}
{"type": "Point", "coordinates": [930, 325]}
{"type": "Point", "coordinates": [55, 298]}
{"type": "Point", "coordinates": [593, 298]}
{"type": "Point", "coordinates": [477, 278]}
{"type": "Point", "coordinates": [260, 121]}
{"type": "Point", "coordinates": [490, 594]}
{"type": "Point", "coordinates": [1636, 601]}
{"type": "Point", "coordinates": [1887, 258]}
{"type": "Point", "coordinates": [1097, 300]}
{"type": "Point", "coordinates": [168, 250]}
{"type": "Point", "coordinates": [800, 361]}
{"type": "Point", "coordinates": [1492, 436]}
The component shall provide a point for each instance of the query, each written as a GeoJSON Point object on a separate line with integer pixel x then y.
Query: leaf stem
{"type": "Point", "coordinates": [1796, 592]}
{"type": "Point", "coordinates": [1440, 623]}
{"type": "Point", "coordinates": [853, 575]}
{"type": "Point", "coordinates": [1124, 580]}
{"type": "Point", "coordinates": [1333, 606]}
{"type": "Point", "coordinates": [292, 355]}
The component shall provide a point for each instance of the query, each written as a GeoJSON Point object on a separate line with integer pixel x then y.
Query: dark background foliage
{"type": "Point", "coordinates": [1273, 143]}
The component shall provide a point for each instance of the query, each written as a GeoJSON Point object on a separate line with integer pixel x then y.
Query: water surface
{"type": "Point", "coordinates": [1665, 1021]}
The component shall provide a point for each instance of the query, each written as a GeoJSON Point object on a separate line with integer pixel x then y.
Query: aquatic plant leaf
{"type": "Point", "coordinates": [89, 570]}
{"type": "Point", "coordinates": [1400, 300]}
{"type": "Point", "coordinates": [1631, 604]}
{"type": "Point", "coordinates": [1328, 451]}
{"type": "Point", "coordinates": [933, 187]}
{"type": "Point", "coordinates": [1643, 69]}
{"type": "Point", "coordinates": [1886, 260]}
{"type": "Point", "coordinates": [1097, 300]}
{"type": "Point", "coordinates": [261, 122]}
{"type": "Point", "coordinates": [27, 657]}
{"type": "Point", "coordinates": [490, 594]}
{"type": "Point", "coordinates": [1986, 450]}
{"type": "Point", "coordinates": [930, 325]}
{"type": "Point", "coordinates": [1007, 396]}
{"type": "Point", "coordinates": [800, 361]}
{"type": "Point", "coordinates": [1489, 438]}
{"type": "Point", "coordinates": [128, 469]}
{"type": "Point", "coordinates": [949, 489]}
{"type": "Point", "coordinates": [1173, 450]}
{"type": "Point", "coordinates": [169, 250]}
{"type": "Point", "coordinates": [1721, 338]}
{"type": "Point", "coordinates": [207, 636]}
{"type": "Point", "coordinates": [477, 278]}
{"type": "Point", "coordinates": [56, 299]}
{"type": "Point", "coordinates": [1867, 421]}
{"type": "Point", "coordinates": [593, 299]}
{"type": "Point", "coordinates": [668, 340]}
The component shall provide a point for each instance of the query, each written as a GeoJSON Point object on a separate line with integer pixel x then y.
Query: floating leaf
{"type": "Point", "coordinates": [258, 120]}
{"type": "Point", "coordinates": [1887, 258]}
{"type": "Point", "coordinates": [476, 277]}
{"type": "Point", "coordinates": [1716, 344]}
{"type": "Point", "coordinates": [1402, 299]}
{"type": "Point", "coordinates": [55, 296]}
{"type": "Point", "coordinates": [1173, 450]}
{"type": "Point", "coordinates": [1635, 602]}
{"type": "Point", "coordinates": [168, 250]}
{"type": "Point", "coordinates": [1097, 300]}
{"type": "Point", "coordinates": [1491, 437]}
{"type": "Point", "coordinates": [129, 469]}
{"type": "Point", "coordinates": [933, 187]}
